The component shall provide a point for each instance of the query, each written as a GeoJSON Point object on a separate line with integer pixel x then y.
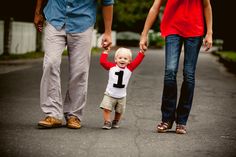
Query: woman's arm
{"type": "Point", "coordinates": [152, 15]}
{"type": "Point", "coordinates": [208, 18]}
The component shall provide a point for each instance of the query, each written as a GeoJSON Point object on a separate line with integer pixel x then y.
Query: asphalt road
{"type": "Point", "coordinates": [211, 126]}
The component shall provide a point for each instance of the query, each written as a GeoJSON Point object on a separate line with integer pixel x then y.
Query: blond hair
{"type": "Point", "coordinates": [124, 50]}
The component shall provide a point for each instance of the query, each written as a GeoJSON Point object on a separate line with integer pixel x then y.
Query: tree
{"type": "Point", "coordinates": [129, 15]}
{"type": "Point", "coordinates": [223, 23]}
{"type": "Point", "coordinates": [7, 35]}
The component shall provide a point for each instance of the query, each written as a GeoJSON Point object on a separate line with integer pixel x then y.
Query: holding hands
{"type": "Point", "coordinates": [106, 42]}
{"type": "Point", "coordinates": [107, 48]}
{"type": "Point", "coordinates": [143, 43]}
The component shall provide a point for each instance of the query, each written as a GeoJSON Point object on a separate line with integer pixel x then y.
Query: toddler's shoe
{"type": "Point", "coordinates": [180, 129]}
{"type": "Point", "coordinates": [164, 127]}
{"type": "Point", "coordinates": [115, 124]}
{"type": "Point", "coordinates": [50, 122]}
{"type": "Point", "coordinates": [107, 125]}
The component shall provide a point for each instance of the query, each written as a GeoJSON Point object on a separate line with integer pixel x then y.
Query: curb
{"type": "Point", "coordinates": [230, 65]}
{"type": "Point", "coordinates": [20, 61]}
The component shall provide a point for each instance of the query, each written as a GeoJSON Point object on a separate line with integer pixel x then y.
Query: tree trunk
{"type": "Point", "coordinates": [39, 47]}
{"type": "Point", "coordinates": [7, 35]}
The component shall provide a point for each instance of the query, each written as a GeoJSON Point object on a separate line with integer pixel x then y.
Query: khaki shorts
{"type": "Point", "coordinates": [109, 103]}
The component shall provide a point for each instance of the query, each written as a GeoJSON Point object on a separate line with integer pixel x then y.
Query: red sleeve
{"type": "Point", "coordinates": [103, 61]}
{"type": "Point", "coordinates": [136, 61]}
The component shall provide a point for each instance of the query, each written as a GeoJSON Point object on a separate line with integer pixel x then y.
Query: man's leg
{"type": "Point", "coordinates": [79, 47]}
{"type": "Point", "coordinates": [50, 88]}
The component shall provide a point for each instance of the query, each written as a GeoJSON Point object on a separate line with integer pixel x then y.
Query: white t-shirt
{"type": "Point", "coordinates": [119, 77]}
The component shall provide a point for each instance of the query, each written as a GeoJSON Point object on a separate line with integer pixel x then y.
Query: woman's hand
{"type": "Point", "coordinates": [143, 43]}
{"type": "Point", "coordinates": [207, 42]}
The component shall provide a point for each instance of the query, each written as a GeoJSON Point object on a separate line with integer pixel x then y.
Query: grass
{"type": "Point", "coordinates": [28, 55]}
{"type": "Point", "coordinates": [227, 55]}
{"type": "Point", "coordinates": [228, 58]}
{"type": "Point", "coordinates": [34, 55]}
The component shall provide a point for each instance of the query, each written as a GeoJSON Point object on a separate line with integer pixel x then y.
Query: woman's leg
{"type": "Point", "coordinates": [169, 97]}
{"type": "Point", "coordinates": [191, 51]}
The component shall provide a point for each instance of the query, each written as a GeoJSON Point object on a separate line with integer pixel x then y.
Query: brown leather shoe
{"type": "Point", "coordinates": [73, 122]}
{"type": "Point", "coordinates": [50, 122]}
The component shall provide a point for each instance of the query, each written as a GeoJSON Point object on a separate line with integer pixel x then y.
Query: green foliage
{"type": "Point", "coordinates": [34, 55]}
{"type": "Point", "coordinates": [129, 15]}
{"type": "Point", "coordinates": [227, 55]}
{"type": "Point", "coordinates": [218, 43]}
{"type": "Point", "coordinates": [156, 40]}
{"type": "Point", "coordinates": [29, 55]}
{"type": "Point", "coordinates": [96, 50]}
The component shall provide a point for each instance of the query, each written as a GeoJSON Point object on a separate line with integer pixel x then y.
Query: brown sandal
{"type": "Point", "coordinates": [164, 127]}
{"type": "Point", "coordinates": [181, 129]}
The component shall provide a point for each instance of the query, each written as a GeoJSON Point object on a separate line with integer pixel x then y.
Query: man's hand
{"type": "Point", "coordinates": [106, 42]}
{"type": "Point", "coordinates": [38, 21]}
{"type": "Point", "coordinates": [143, 43]}
{"type": "Point", "coordinates": [207, 42]}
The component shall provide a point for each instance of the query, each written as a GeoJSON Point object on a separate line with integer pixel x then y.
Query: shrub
{"type": "Point", "coordinates": [156, 40]}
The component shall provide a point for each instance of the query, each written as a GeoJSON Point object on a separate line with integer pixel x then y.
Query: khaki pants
{"type": "Point", "coordinates": [108, 102]}
{"type": "Point", "coordinates": [79, 48]}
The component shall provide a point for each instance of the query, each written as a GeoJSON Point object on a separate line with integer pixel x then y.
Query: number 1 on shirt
{"type": "Point", "coordinates": [119, 84]}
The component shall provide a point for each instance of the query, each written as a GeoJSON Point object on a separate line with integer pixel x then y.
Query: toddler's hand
{"type": "Point", "coordinates": [106, 50]}
{"type": "Point", "coordinates": [142, 51]}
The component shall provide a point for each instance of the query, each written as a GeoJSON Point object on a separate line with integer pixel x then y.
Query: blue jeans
{"type": "Point", "coordinates": [169, 98]}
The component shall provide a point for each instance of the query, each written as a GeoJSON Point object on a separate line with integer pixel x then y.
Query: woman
{"type": "Point", "coordinates": [183, 23]}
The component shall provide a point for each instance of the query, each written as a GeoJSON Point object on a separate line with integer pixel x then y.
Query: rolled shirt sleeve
{"type": "Point", "coordinates": [75, 16]}
{"type": "Point", "coordinates": [107, 2]}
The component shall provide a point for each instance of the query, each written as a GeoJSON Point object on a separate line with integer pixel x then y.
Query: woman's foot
{"type": "Point", "coordinates": [164, 127]}
{"type": "Point", "coordinates": [180, 129]}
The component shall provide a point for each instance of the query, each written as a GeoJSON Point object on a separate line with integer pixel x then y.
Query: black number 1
{"type": "Point", "coordinates": [120, 79]}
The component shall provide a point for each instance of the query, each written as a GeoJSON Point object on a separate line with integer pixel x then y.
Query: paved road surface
{"type": "Point", "coordinates": [211, 125]}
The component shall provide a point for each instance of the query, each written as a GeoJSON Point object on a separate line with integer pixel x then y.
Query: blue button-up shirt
{"type": "Point", "coordinates": [75, 15]}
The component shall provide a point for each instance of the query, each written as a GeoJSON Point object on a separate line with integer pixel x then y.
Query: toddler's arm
{"type": "Point", "coordinates": [138, 59]}
{"type": "Point", "coordinates": [103, 60]}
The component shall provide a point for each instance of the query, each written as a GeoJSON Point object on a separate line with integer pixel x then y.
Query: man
{"type": "Point", "coordinates": [68, 23]}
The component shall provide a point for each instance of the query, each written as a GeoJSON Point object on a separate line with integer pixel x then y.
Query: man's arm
{"type": "Point", "coordinates": [38, 14]}
{"type": "Point", "coordinates": [107, 18]}
{"type": "Point", "coordinates": [208, 18]}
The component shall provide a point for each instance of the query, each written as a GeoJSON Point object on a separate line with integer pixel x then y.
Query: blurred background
{"type": "Point", "coordinates": [18, 35]}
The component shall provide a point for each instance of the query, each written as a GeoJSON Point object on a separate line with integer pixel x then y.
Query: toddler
{"type": "Point", "coordinates": [119, 75]}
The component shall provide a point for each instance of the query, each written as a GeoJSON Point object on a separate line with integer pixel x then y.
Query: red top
{"type": "Point", "coordinates": [183, 17]}
{"type": "Point", "coordinates": [107, 65]}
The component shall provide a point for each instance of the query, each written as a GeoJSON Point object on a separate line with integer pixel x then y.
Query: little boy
{"type": "Point", "coordinates": [119, 75]}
